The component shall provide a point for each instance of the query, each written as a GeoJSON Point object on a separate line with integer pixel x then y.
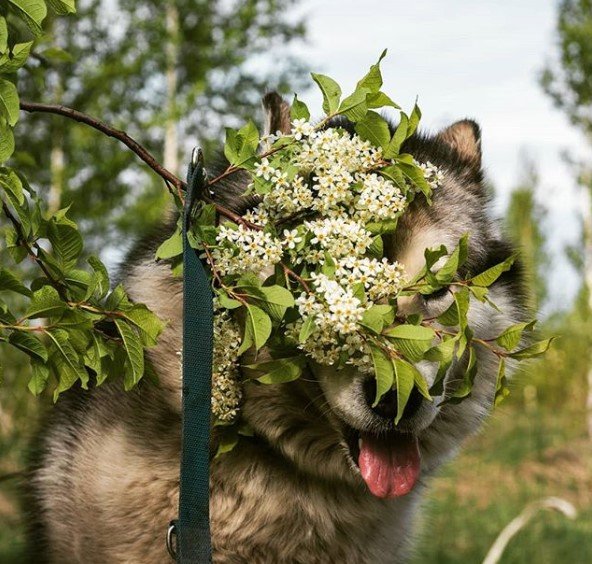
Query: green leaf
{"type": "Point", "coordinates": [466, 386]}
{"type": "Point", "coordinates": [457, 258]}
{"type": "Point", "coordinates": [227, 440]}
{"type": "Point", "coordinates": [413, 121]}
{"type": "Point", "coordinates": [135, 353]}
{"type": "Point", "coordinates": [28, 343]}
{"type": "Point", "coordinates": [372, 320]}
{"type": "Point", "coordinates": [57, 55]}
{"type": "Point", "coordinates": [279, 371]}
{"type": "Point", "coordinates": [331, 92]}
{"type": "Point", "coordinates": [398, 137]}
{"type": "Point", "coordinates": [9, 102]}
{"type": "Point", "coordinates": [511, 336]}
{"type": "Point", "coordinates": [241, 146]}
{"type": "Point", "coordinates": [16, 58]}
{"type": "Point", "coordinates": [375, 129]}
{"type": "Point", "coordinates": [383, 372]}
{"type": "Point", "coordinates": [277, 295]}
{"type": "Point", "coordinates": [442, 352]}
{"type": "Point", "coordinates": [417, 178]}
{"type": "Point", "coordinates": [66, 243]}
{"type": "Point", "coordinates": [46, 302]}
{"type": "Point", "coordinates": [411, 340]}
{"type": "Point", "coordinates": [488, 277]}
{"type": "Point", "coordinates": [33, 12]}
{"type": "Point", "coordinates": [62, 7]}
{"type": "Point", "coordinates": [456, 314]}
{"type": "Point", "coordinates": [94, 353]}
{"type": "Point", "coordinates": [3, 35]}
{"type": "Point", "coordinates": [377, 316]}
{"type": "Point", "coordinates": [405, 376]}
{"type": "Point", "coordinates": [380, 100]}
{"type": "Point", "coordinates": [10, 182]}
{"type": "Point", "coordinates": [480, 292]}
{"type": "Point", "coordinates": [6, 141]}
{"type": "Point", "coordinates": [274, 300]}
{"type": "Point", "coordinates": [433, 255]}
{"type": "Point", "coordinates": [501, 388]}
{"type": "Point", "coordinates": [307, 329]}
{"type": "Point", "coordinates": [149, 324]}
{"type": "Point", "coordinates": [258, 326]}
{"type": "Point", "coordinates": [39, 377]}
{"type": "Point", "coordinates": [172, 247]}
{"type": "Point", "coordinates": [373, 79]}
{"type": "Point", "coordinates": [68, 364]}
{"type": "Point", "coordinates": [8, 281]}
{"type": "Point", "coordinates": [533, 350]}
{"type": "Point", "coordinates": [299, 110]}
{"type": "Point", "coordinates": [422, 385]}
{"type": "Point", "coordinates": [117, 299]}
{"type": "Point", "coordinates": [100, 279]}
{"type": "Point", "coordinates": [412, 332]}
{"type": "Point", "coordinates": [354, 107]}
{"type": "Point", "coordinates": [226, 301]}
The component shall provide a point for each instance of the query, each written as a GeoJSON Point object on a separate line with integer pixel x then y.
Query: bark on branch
{"type": "Point", "coordinates": [135, 147]}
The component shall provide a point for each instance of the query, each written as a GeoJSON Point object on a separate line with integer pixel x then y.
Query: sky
{"type": "Point", "coordinates": [465, 59]}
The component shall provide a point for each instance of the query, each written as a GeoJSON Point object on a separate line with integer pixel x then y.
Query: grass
{"type": "Point", "coordinates": [527, 452]}
{"type": "Point", "coordinates": [523, 455]}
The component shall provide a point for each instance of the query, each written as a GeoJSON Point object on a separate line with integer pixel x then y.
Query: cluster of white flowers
{"type": "Point", "coordinates": [381, 278]}
{"type": "Point", "coordinates": [334, 176]}
{"type": "Point", "coordinates": [336, 313]}
{"type": "Point", "coordinates": [245, 250]}
{"type": "Point", "coordinates": [226, 388]}
{"type": "Point", "coordinates": [432, 173]}
{"type": "Point", "coordinates": [338, 236]}
{"type": "Point", "coordinates": [326, 149]}
{"type": "Point", "coordinates": [379, 199]}
{"type": "Point", "coordinates": [227, 391]}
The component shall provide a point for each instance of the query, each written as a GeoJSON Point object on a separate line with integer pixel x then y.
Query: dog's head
{"type": "Point", "coordinates": [325, 422]}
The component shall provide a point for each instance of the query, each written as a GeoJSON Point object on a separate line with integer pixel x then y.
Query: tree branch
{"type": "Point", "coordinates": [110, 131]}
{"type": "Point", "coordinates": [139, 150]}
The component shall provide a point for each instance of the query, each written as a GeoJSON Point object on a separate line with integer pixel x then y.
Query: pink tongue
{"type": "Point", "coordinates": [390, 466]}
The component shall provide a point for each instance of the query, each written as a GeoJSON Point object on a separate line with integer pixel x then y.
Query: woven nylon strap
{"type": "Point", "coordinates": [193, 527]}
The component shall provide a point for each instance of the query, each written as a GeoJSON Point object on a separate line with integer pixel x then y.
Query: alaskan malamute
{"type": "Point", "coordinates": [108, 479]}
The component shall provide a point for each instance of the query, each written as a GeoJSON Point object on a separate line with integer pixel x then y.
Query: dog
{"type": "Point", "coordinates": [107, 481]}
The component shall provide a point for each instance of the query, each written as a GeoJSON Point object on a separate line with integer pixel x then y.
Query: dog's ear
{"type": "Point", "coordinates": [464, 137]}
{"type": "Point", "coordinates": [277, 113]}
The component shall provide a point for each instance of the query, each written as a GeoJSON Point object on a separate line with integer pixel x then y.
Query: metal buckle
{"type": "Point", "coordinates": [171, 539]}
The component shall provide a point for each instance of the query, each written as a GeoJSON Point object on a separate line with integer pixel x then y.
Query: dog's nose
{"type": "Point", "coordinates": [387, 406]}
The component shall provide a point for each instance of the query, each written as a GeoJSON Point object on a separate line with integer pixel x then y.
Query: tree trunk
{"type": "Point", "coordinates": [587, 228]}
{"type": "Point", "coordinates": [57, 162]}
{"type": "Point", "coordinates": [171, 139]}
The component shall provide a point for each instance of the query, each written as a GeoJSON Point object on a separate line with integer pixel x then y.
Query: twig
{"type": "Point", "coordinates": [23, 239]}
{"type": "Point", "coordinates": [497, 549]}
{"type": "Point", "coordinates": [110, 131]}
{"type": "Point", "coordinates": [12, 475]}
{"type": "Point", "coordinates": [289, 272]}
{"type": "Point", "coordinates": [140, 151]}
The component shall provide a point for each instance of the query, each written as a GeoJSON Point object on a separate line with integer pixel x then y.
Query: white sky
{"type": "Point", "coordinates": [464, 59]}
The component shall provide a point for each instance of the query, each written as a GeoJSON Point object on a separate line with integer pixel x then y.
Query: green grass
{"type": "Point", "coordinates": [521, 457]}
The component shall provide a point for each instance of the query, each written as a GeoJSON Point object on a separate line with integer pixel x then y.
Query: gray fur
{"type": "Point", "coordinates": [107, 484]}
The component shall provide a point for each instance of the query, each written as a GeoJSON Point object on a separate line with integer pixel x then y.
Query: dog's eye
{"type": "Point", "coordinates": [436, 296]}
{"type": "Point", "coordinates": [438, 302]}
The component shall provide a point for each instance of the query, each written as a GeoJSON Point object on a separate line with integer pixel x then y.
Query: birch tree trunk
{"type": "Point", "coordinates": [57, 163]}
{"type": "Point", "coordinates": [171, 138]}
{"type": "Point", "coordinates": [587, 228]}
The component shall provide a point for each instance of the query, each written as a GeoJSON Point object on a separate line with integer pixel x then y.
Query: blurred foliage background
{"type": "Point", "coordinates": [164, 71]}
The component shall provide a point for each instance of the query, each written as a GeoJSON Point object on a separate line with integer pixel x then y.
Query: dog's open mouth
{"type": "Point", "coordinates": [389, 463]}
